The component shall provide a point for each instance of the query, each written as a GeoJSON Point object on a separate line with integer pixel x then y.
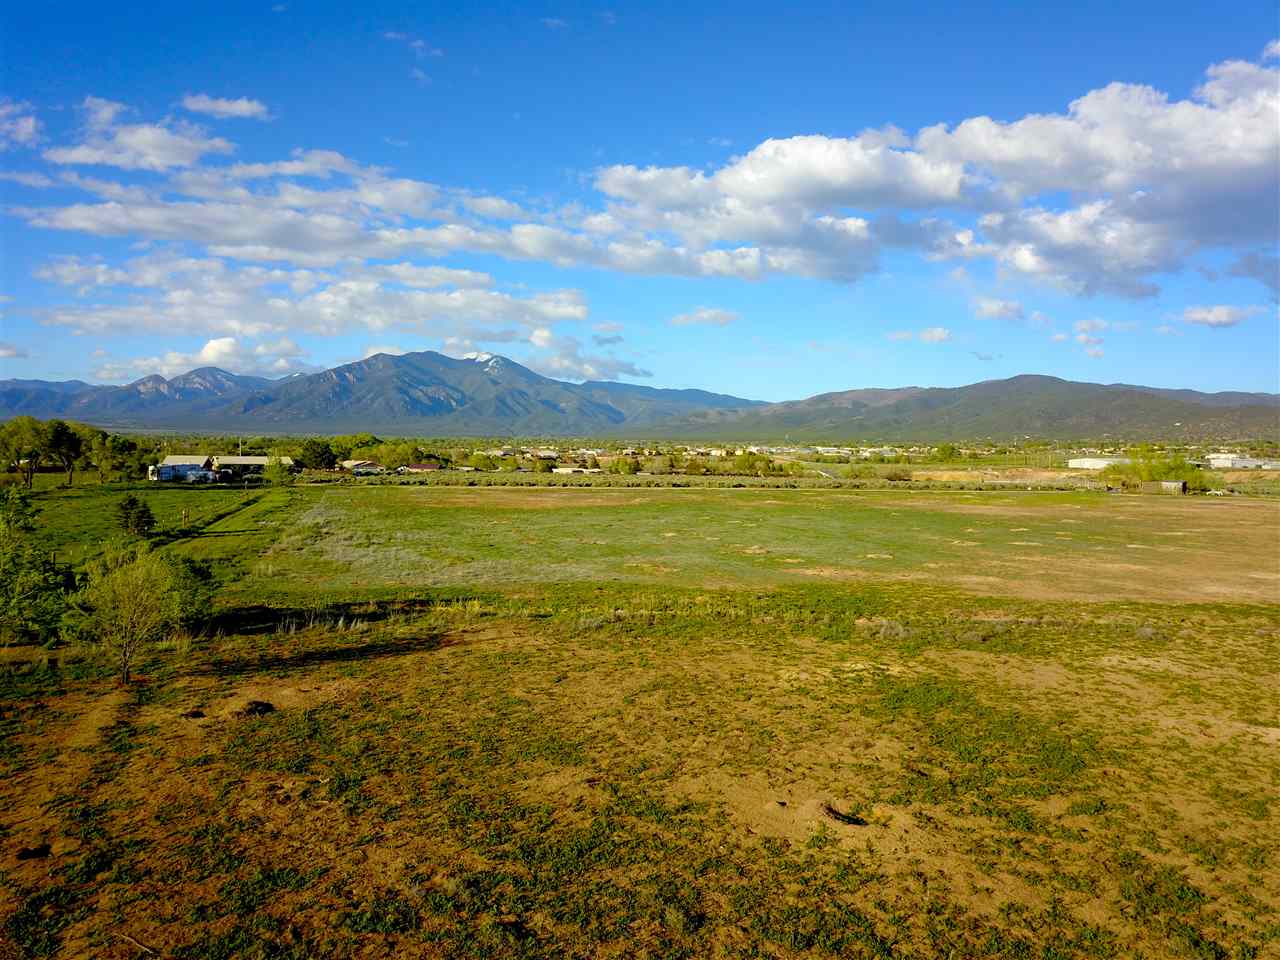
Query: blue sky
{"type": "Point", "coordinates": [768, 201]}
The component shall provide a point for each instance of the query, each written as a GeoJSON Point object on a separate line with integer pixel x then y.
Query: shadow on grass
{"type": "Point", "coordinates": [333, 620]}
{"type": "Point", "coordinates": [319, 656]}
{"type": "Point", "coordinates": [263, 618]}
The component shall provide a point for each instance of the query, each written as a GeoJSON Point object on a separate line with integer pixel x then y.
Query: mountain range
{"type": "Point", "coordinates": [430, 394]}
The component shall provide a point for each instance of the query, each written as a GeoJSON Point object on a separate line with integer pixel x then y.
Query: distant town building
{"type": "Point", "coordinates": [1096, 463]}
{"type": "Point", "coordinates": [1234, 461]}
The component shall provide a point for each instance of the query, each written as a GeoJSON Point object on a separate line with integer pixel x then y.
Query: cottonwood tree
{"type": "Point", "coordinates": [64, 445]}
{"type": "Point", "coordinates": [24, 442]}
{"type": "Point", "coordinates": [317, 454]}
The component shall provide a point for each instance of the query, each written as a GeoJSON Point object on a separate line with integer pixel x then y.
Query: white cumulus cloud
{"type": "Point", "coordinates": [139, 146]}
{"type": "Point", "coordinates": [274, 359]}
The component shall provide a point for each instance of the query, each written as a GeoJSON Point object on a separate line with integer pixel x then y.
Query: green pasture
{"type": "Point", "coordinates": [342, 539]}
{"type": "Point", "coordinates": [785, 724]}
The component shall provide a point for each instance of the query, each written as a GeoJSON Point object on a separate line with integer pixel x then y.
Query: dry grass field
{"type": "Point", "coordinates": [667, 723]}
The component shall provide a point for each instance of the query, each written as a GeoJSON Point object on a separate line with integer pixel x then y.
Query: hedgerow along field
{"type": "Point", "coordinates": [676, 722]}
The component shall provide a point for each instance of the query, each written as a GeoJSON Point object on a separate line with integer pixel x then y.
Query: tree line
{"type": "Point", "coordinates": [27, 444]}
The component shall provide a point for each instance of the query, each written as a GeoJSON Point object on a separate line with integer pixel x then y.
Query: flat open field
{"type": "Point", "coordinates": [664, 723]}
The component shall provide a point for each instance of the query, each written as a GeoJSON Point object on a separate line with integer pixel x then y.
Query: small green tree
{"type": "Point", "coordinates": [134, 516]}
{"type": "Point", "coordinates": [135, 600]}
{"type": "Point", "coordinates": [17, 515]}
{"type": "Point", "coordinates": [276, 473]}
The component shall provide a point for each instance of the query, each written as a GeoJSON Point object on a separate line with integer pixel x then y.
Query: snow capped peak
{"type": "Point", "coordinates": [491, 362]}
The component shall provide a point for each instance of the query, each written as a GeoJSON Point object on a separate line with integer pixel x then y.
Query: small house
{"type": "Point", "coordinates": [418, 468]}
{"type": "Point", "coordinates": [178, 466]}
{"type": "Point", "coordinates": [362, 468]}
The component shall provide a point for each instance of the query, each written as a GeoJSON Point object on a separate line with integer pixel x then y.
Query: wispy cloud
{"type": "Point", "coordinates": [927, 335]}
{"type": "Point", "coordinates": [1092, 325]}
{"type": "Point", "coordinates": [992, 308]}
{"type": "Point", "coordinates": [419, 47]}
{"type": "Point", "coordinates": [705, 317]}
{"type": "Point", "coordinates": [18, 125]}
{"type": "Point", "coordinates": [1219, 316]}
{"type": "Point", "coordinates": [36, 180]}
{"type": "Point", "coordinates": [225, 109]}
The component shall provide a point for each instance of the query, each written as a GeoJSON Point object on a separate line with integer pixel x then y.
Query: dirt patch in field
{"type": "Point", "coordinates": [72, 746]}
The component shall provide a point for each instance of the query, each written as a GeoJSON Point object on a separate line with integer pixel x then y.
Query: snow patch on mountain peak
{"type": "Point", "coordinates": [490, 361]}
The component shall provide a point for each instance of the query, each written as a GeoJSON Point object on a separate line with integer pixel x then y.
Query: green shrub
{"type": "Point", "coordinates": [135, 599]}
{"type": "Point", "coordinates": [135, 517]}
{"type": "Point", "coordinates": [1146, 466]}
